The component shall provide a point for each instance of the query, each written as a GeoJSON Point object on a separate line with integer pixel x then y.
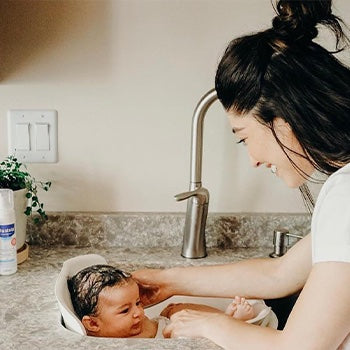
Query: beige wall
{"type": "Point", "coordinates": [125, 76]}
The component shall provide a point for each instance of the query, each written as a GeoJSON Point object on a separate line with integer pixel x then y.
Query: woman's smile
{"type": "Point", "coordinates": [264, 149]}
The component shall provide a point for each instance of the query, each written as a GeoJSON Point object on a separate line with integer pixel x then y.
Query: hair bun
{"type": "Point", "coordinates": [296, 20]}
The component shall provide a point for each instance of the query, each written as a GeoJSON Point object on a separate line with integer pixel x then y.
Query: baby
{"type": "Point", "coordinates": [107, 302]}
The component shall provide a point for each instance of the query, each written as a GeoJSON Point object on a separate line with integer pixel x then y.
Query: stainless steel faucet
{"type": "Point", "coordinates": [281, 241]}
{"type": "Point", "coordinates": [198, 197]}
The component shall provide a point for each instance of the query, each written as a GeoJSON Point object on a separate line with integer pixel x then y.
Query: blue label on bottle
{"type": "Point", "coordinates": [7, 231]}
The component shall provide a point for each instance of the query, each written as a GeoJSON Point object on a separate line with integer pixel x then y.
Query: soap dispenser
{"type": "Point", "coordinates": [8, 251]}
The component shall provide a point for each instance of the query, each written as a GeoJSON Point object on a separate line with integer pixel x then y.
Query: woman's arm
{"type": "Point", "coordinates": [321, 316]}
{"type": "Point", "coordinates": [320, 319]}
{"type": "Point", "coordinates": [223, 330]}
{"type": "Point", "coordinates": [254, 278]}
{"type": "Point", "coordinates": [172, 309]}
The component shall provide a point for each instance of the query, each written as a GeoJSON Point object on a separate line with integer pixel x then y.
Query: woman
{"type": "Point", "coordinates": [288, 102]}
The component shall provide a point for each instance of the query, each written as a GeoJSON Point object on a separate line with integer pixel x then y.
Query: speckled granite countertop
{"type": "Point", "coordinates": [29, 316]}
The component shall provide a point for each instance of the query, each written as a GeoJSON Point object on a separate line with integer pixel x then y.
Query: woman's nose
{"type": "Point", "coordinates": [254, 162]}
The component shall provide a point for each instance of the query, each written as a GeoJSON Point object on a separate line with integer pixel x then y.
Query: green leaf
{"type": "Point", "coordinates": [28, 211]}
{"type": "Point", "coordinates": [14, 175]}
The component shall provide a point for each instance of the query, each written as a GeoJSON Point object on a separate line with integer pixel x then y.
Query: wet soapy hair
{"type": "Point", "coordinates": [86, 286]}
{"type": "Point", "coordinates": [282, 72]}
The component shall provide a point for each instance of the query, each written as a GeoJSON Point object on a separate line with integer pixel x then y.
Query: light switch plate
{"type": "Point", "coordinates": [37, 135]}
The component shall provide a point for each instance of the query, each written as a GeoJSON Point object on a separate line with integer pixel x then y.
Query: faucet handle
{"type": "Point", "coordinates": [294, 236]}
{"type": "Point", "coordinates": [201, 193]}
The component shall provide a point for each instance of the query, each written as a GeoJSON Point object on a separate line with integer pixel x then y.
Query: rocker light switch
{"type": "Point", "coordinates": [22, 137]}
{"type": "Point", "coordinates": [42, 137]}
{"type": "Point", "coordinates": [32, 135]}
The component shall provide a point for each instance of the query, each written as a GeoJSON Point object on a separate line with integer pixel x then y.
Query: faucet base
{"type": "Point", "coordinates": [194, 257]}
{"type": "Point", "coordinates": [194, 246]}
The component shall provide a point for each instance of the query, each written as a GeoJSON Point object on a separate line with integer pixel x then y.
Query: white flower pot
{"type": "Point", "coordinates": [20, 201]}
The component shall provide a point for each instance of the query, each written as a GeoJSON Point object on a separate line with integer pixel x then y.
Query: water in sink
{"type": "Point", "coordinates": [264, 317]}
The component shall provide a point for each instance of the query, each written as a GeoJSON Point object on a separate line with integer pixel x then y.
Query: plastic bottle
{"type": "Point", "coordinates": [8, 251]}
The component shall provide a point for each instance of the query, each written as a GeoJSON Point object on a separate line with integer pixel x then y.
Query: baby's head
{"type": "Point", "coordinates": [107, 302]}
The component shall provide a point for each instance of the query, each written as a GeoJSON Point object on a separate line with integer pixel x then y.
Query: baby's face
{"type": "Point", "coordinates": [120, 313]}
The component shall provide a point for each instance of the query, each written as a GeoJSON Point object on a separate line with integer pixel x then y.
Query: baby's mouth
{"type": "Point", "coordinates": [137, 325]}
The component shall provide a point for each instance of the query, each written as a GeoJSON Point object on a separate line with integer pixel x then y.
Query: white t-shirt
{"type": "Point", "coordinates": [330, 226]}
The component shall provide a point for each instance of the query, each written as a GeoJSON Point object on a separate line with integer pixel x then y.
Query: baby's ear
{"type": "Point", "coordinates": [91, 324]}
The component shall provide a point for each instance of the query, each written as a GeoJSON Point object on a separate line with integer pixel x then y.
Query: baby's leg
{"type": "Point", "coordinates": [173, 308]}
{"type": "Point", "coordinates": [240, 309]}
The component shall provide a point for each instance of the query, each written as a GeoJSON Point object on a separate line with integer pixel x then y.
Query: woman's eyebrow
{"type": "Point", "coordinates": [235, 130]}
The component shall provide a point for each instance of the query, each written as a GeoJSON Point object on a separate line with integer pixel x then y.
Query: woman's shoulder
{"type": "Point", "coordinates": [331, 220]}
{"type": "Point", "coordinates": [338, 182]}
{"type": "Point", "coordinates": [334, 197]}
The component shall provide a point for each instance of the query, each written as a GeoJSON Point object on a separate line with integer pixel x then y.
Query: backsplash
{"type": "Point", "coordinates": [160, 229]}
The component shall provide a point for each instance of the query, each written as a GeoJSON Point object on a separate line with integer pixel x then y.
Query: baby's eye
{"type": "Point", "coordinates": [138, 303]}
{"type": "Point", "coordinates": [124, 311]}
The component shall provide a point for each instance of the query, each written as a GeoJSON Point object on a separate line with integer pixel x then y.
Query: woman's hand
{"type": "Point", "coordinates": [193, 324]}
{"type": "Point", "coordinates": [153, 286]}
{"type": "Point", "coordinates": [174, 308]}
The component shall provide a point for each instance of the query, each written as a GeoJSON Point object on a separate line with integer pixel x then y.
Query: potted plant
{"type": "Point", "coordinates": [14, 175]}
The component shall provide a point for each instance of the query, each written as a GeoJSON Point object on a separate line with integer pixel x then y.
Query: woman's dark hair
{"type": "Point", "coordinates": [282, 72]}
{"type": "Point", "coordinates": [86, 286]}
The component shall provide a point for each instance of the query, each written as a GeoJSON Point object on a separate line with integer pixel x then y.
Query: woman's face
{"type": "Point", "coordinates": [263, 148]}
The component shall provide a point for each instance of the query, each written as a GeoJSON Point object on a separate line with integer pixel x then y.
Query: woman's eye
{"type": "Point", "coordinates": [242, 141]}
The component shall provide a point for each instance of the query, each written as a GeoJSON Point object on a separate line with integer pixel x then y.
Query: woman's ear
{"type": "Point", "coordinates": [280, 123]}
{"type": "Point", "coordinates": [91, 324]}
{"type": "Point", "coordinates": [282, 129]}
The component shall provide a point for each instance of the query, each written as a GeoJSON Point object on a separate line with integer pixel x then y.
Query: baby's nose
{"type": "Point", "coordinates": [137, 312]}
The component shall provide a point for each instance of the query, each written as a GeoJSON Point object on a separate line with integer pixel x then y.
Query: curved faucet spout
{"type": "Point", "coordinates": [198, 197]}
{"type": "Point", "coordinates": [197, 137]}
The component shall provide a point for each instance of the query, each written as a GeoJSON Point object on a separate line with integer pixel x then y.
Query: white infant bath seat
{"type": "Point", "coordinates": [264, 315]}
{"type": "Point", "coordinates": [70, 268]}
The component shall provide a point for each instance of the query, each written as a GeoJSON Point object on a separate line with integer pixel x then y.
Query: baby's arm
{"type": "Point", "coordinates": [173, 308]}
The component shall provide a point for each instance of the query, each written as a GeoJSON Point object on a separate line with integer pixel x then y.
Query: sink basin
{"type": "Point", "coordinates": [282, 307]}
{"type": "Point", "coordinates": [264, 317]}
